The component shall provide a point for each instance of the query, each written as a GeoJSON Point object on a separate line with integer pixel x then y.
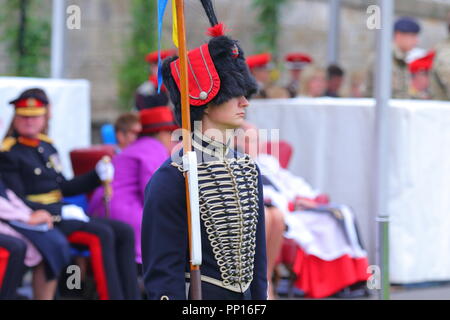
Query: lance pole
{"type": "Point", "coordinates": [189, 161]}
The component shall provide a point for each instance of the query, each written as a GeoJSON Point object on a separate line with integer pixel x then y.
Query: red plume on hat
{"type": "Point", "coordinates": [217, 30]}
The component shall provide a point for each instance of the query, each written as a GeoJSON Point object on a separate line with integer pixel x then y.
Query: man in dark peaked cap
{"type": "Point", "coordinates": [232, 227]}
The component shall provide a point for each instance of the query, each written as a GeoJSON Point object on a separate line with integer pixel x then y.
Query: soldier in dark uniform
{"type": "Point", "coordinates": [230, 190]}
{"type": "Point", "coordinates": [30, 167]}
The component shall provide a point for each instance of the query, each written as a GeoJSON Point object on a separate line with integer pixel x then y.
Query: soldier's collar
{"type": "Point", "coordinates": [210, 147]}
{"type": "Point", "coordinates": [34, 142]}
{"type": "Point", "coordinates": [29, 142]}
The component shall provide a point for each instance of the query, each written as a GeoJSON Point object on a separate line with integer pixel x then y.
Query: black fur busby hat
{"type": "Point", "coordinates": [217, 71]}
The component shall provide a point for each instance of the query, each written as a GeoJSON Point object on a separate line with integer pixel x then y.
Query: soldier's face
{"type": "Point", "coordinates": [29, 127]}
{"type": "Point", "coordinates": [228, 115]}
{"type": "Point", "coordinates": [125, 138]}
{"type": "Point", "coordinates": [406, 41]}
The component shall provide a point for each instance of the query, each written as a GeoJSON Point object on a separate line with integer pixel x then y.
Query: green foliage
{"type": "Point", "coordinates": [27, 36]}
{"type": "Point", "coordinates": [143, 39]}
{"type": "Point", "coordinates": [268, 18]}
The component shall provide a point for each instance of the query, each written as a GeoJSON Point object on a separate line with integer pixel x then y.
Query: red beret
{"type": "Point", "coordinates": [152, 57]}
{"type": "Point", "coordinates": [259, 60]}
{"type": "Point", "coordinates": [422, 64]}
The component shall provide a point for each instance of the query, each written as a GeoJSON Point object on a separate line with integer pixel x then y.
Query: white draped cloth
{"type": "Point", "coordinates": [319, 233]}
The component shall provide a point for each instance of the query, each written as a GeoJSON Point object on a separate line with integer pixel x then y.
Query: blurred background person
{"type": "Point", "coordinates": [134, 167]}
{"type": "Point", "coordinates": [127, 128]}
{"type": "Point", "coordinates": [313, 82]}
{"type": "Point", "coordinates": [331, 258]}
{"type": "Point", "coordinates": [335, 78]}
{"type": "Point", "coordinates": [406, 38]}
{"type": "Point", "coordinates": [295, 62]}
{"type": "Point", "coordinates": [261, 67]}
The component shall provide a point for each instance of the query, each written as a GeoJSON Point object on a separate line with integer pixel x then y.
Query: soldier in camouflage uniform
{"type": "Point", "coordinates": [440, 71]}
{"type": "Point", "coordinates": [406, 32]}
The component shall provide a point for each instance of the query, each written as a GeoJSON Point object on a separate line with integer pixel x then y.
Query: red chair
{"type": "Point", "coordinates": [83, 161]}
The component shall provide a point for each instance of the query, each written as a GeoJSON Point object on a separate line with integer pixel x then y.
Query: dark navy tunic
{"type": "Point", "coordinates": [242, 273]}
